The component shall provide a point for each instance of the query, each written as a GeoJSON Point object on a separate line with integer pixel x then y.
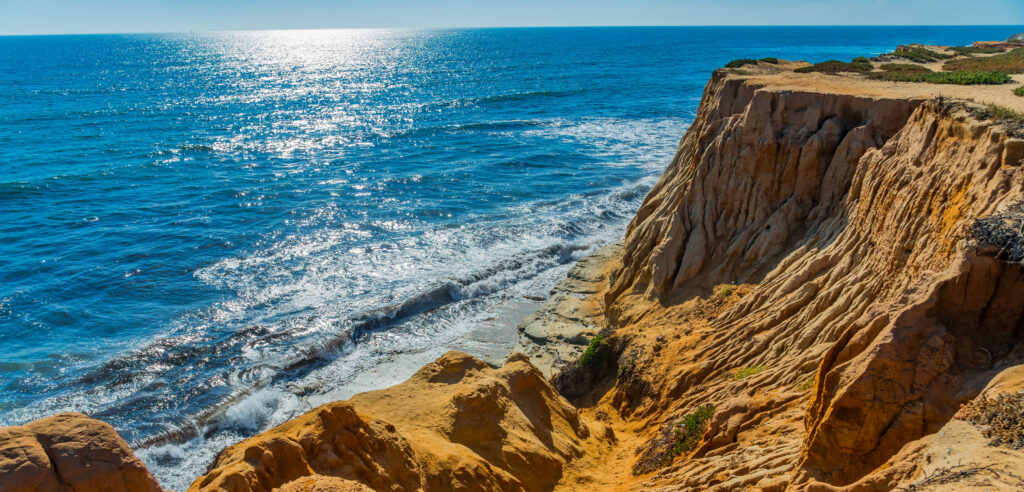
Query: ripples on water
{"type": "Point", "coordinates": [203, 235]}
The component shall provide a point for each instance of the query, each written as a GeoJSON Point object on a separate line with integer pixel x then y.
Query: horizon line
{"type": "Point", "coordinates": [210, 31]}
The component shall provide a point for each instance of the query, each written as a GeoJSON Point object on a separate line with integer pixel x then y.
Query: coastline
{"type": "Point", "coordinates": [810, 299]}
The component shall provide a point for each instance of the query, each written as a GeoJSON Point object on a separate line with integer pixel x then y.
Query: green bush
{"type": "Point", "coordinates": [1019, 91]}
{"type": "Point", "coordinates": [691, 428]}
{"type": "Point", "coordinates": [1010, 62]}
{"type": "Point", "coordinates": [746, 372]}
{"type": "Point", "coordinates": [959, 77]}
{"type": "Point", "coordinates": [918, 54]}
{"type": "Point", "coordinates": [904, 67]}
{"type": "Point", "coordinates": [596, 355]}
{"type": "Point", "coordinates": [836, 66]}
{"type": "Point", "coordinates": [726, 291]}
{"type": "Point", "coordinates": [770, 59]}
{"type": "Point", "coordinates": [806, 384]}
{"type": "Point", "coordinates": [741, 62]}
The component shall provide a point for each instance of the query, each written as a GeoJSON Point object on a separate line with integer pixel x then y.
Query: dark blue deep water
{"type": "Point", "coordinates": [203, 234]}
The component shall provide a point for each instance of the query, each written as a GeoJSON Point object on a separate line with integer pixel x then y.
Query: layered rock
{"type": "Point", "coordinates": [69, 452]}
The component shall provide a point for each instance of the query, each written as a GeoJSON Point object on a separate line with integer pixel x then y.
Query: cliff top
{"type": "Point", "coordinates": [873, 77]}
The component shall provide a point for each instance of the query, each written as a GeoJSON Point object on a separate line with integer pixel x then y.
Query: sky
{"type": "Point", "coordinates": [118, 16]}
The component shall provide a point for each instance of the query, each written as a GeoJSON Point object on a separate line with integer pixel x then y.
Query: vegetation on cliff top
{"type": "Point", "coordinates": [858, 65]}
{"type": "Point", "coordinates": [977, 50]}
{"type": "Point", "coordinates": [741, 62]}
{"type": "Point", "coordinates": [959, 77]}
{"type": "Point", "coordinates": [1010, 62]}
{"type": "Point", "coordinates": [918, 54]}
{"type": "Point", "coordinates": [1019, 91]}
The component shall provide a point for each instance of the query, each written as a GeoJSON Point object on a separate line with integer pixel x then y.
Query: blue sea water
{"type": "Point", "coordinates": [202, 235]}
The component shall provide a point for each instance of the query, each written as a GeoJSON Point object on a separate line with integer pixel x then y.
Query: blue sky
{"type": "Point", "coordinates": [85, 16]}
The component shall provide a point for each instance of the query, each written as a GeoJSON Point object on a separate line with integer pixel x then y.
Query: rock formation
{"type": "Point", "coordinates": [457, 424]}
{"type": "Point", "coordinates": [69, 452]}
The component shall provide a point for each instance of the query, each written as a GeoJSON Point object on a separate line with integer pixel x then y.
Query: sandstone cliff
{"type": "Point", "coordinates": [823, 292]}
{"type": "Point", "coordinates": [869, 307]}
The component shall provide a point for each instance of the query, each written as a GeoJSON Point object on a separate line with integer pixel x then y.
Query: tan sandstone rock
{"type": "Point", "coordinates": [457, 424]}
{"type": "Point", "coordinates": [69, 452]}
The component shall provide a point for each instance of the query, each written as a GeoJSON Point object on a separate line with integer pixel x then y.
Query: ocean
{"type": "Point", "coordinates": [205, 234]}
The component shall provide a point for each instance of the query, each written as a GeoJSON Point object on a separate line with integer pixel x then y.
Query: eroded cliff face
{"type": "Point", "coordinates": [848, 221]}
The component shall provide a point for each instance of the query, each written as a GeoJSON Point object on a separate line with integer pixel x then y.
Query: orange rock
{"type": "Point", "coordinates": [457, 424]}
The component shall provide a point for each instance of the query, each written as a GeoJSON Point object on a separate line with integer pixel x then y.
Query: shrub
{"type": "Point", "coordinates": [904, 67]}
{"type": "Point", "coordinates": [691, 428]}
{"type": "Point", "coordinates": [806, 384]}
{"type": "Point", "coordinates": [1010, 62]}
{"type": "Point", "coordinates": [770, 59]}
{"type": "Point", "coordinates": [596, 356]}
{"type": "Point", "coordinates": [746, 372]}
{"type": "Point", "coordinates": [740, 62]}
{"type": "Point", "coordinates": [836, 66]}
{"type": "Point", "coordinates": [1019, 91]}
{"type": "Point", "coordinates": [918, 54]}
{"type": "Point", "coordinates": [997, 419]}
{"type": "Point", "coordinates": [959, 77]}
{"type": "Point", "coordinates": [974, 50]}
{"type": "Point", "coordinates": [997, 112]}
{"type": "Point", "coordinates": [725, 291]}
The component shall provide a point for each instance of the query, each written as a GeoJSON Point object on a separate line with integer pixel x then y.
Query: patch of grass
{"type": "Point", "coordinates": [725, 291]}
{"type": "Point", "coordinates": [691, 428]}
{"type": "Point", "coordinates": [806, 384]}
{"type": "Point", "coordinates": [918, 54]}
{"type": "Point", "coordinates": [959, 77]}
{"type": "Point", "coordinates": [1009, 62]}
{"type": "Point", "coordinates": [1019, 91]}
{"type": "Point", "coordinates": [746, 372]}
{"type": "Point", "coordinates": [596, 355]}
{"type": "Point", "coordinates": [770, 59]}
{"type": "Point", "coordinates": [978, 50]}
{"type": "Point", "coordinates": [905, 67]}
{"type": "Point", "coordinates": [836, 66]}
{"type": "Point", "coordinates": [741, 62]}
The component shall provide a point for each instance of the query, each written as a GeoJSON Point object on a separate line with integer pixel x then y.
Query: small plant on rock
{"type": "Point", "coordinates": [746, 372]}
{"type": "Point", "coordinates": [1019, 91]}
{"type": "Point", "coordinates": [691, 428]}
{"type": "Point", "coordinates": [596, 355]}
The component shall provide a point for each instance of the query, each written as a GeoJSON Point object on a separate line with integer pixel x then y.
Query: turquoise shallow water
{"type": "Point", "coordinates": [203, 234]}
